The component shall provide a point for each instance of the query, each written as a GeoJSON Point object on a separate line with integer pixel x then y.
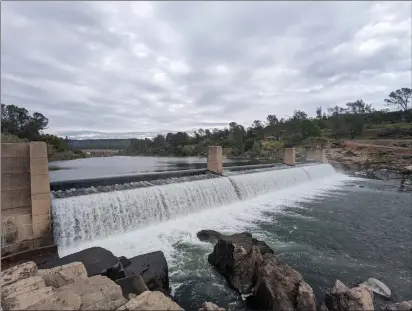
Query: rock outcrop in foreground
{"type": "Point", "coordinates": [343, 298]}
{"type": "Point", "coordinates": [68, 287]}
{"type": "Point", "coordinates": [251, 268]}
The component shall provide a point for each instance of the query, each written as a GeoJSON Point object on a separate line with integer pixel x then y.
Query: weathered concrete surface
{"type": "Point", "coordinates": [151, 301]}
{"type": "Point", "coordinates": [63, 275]}
{"type": "Point", "coordinates": [25, 195]}
{"type": "Point", "coordinates": [289, 156]}
{"type": "Point", "coordinates": [214, 160]}
{"type": "Point", "coordinates": [316, 155]}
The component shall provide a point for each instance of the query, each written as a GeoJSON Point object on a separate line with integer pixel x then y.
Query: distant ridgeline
{"type": "Point", "coordinates": [99, 143]}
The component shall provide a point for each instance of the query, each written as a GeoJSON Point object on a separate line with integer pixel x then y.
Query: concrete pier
{"type": "Point", "coordinates": [289, 156]}
{"type": "Point", "coordinates": [25, 197]}
{"type": "Point", "coordinates": [214, 160]}
{"type": "Point", "coordinates": [316, 155]}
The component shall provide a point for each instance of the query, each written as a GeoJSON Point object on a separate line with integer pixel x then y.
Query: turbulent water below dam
{"type": "Point", "coordinates": [324, 224]}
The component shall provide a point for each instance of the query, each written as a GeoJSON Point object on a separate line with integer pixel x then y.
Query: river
{"type": "Point", "coordinates": [122, 165]}
{"type": "Point", "coordinates": [324, 224]}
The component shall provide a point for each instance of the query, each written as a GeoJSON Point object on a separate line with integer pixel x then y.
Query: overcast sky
{"type": "Point", "coordinates": [137, 66]}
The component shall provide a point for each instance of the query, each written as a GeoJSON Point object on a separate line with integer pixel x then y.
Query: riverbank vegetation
{"type": "Point", "coordinates": [354, 120]}
{"type": "Point", "coordinates": [263, 139]}
{"type": "Point", "coordinates": [18, 126]}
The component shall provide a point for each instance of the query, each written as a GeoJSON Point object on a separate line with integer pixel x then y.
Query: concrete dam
{"type": "Point", "coordinates": [82, 218]}
{"type": "Point", "coordinates": [69, 213]}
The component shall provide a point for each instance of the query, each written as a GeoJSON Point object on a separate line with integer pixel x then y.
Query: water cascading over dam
{"type": "Point", "coordinates": [88, 217]}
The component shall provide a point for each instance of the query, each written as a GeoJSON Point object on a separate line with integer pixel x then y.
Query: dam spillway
{"type": "Point", "coordinates": [82, 218]}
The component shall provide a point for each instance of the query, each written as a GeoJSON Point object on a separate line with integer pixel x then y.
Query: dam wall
{"type": "Point", "coordinates": [25, 197]}
{"type": "Point", "coordinates": [26, 213]}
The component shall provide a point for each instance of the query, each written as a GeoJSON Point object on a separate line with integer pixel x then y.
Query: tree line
{"type": "Point", "coordinates": [348, 121]}
{"type": "Point", "coordinates": [18, 122]}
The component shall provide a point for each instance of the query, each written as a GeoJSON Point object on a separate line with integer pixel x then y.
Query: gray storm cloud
{"type": "Point", "coordinates": [151, 67]}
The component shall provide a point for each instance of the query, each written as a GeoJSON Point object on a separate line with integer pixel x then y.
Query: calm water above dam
{"type": "Point", "coordinates": [122, 165]}
{"type": "Point", "coordinates": [324, 224]}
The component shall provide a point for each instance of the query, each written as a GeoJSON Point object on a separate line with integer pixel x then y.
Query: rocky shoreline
{"type": "Point", "coordinates": [95, 279]}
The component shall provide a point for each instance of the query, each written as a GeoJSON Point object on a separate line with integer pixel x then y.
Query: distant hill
{"type": "Point", "coordinates": [99, 143]}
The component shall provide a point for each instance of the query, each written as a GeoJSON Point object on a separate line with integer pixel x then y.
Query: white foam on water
{"type": "Point", "coordinates": [229, 218]}
{"type": "Point", "coordinates": [89, 217]}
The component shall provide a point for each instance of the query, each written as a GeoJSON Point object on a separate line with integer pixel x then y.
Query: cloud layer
{"type": "Point", "coordinates": [138, 66]}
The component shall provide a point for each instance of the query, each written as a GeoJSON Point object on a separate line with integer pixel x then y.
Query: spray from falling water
{"type": "Point", "coordinates": [88, 217]}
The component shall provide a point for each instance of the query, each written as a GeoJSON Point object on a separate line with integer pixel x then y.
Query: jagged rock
{"type": "Point", "coordinates": [268, 284]}
{"type": "Point", "coordinates": [400, 306]}
{"type": "Point", "coordinates": [125, 262]}
{"type": "Point", "coordinates": [96, 260]}
{"type": "Point", "coordinates": [377, 287]}
{"type": "Point", "coordinates": [115, 272]}
{"type": "Point", "coordinates": [63, 275]}
{"type": "Point", "coordinates": [237, 264]}
{"type": "Point", "coordinates": [151, 301]}
{"type": "Point", "coordinates": [66, 300]}
{"type": "Point", "coordinates": [19, 272]}
{"type": "Point", "coordinates": [23, 301]}
{"type": "Point", "coordinates": [208, 236]}
{"type": "Point", "coordinates": [209, 306]}
{"type": "Point", "coordinates": [96, 293]}
{"type": "Point", "coordinates": [279, 287]}
{"type": "Point", "coordinates": [153, 269]}
{"type": "Point", "coordinates": [132, 285]}
{"type": "Point", "coordinates": [323, 308]}
{"type": "Point", "coordinates": [305, 299]}
{"type": "Point", "coordinates": [23, 286]}
{"type": "Point", "coordinates": [243, 239]}
{"type": "Point", "coordinates": [342, 298]}
{"type": "Point", "coordinates": [263, 247]}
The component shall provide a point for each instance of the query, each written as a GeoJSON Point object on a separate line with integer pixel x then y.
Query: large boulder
{"type": "Point", "coordinates": [377, 287]}
{"type": "Point", "coordinates": [151, 301]}
{"type": "Point", "coordinates": [67, 300]}
{"type": "Point", "coordinates": [19, 272]}
{"type": "Point", "coordinates": [238, 263]}
{"type": "Point", "coordinates": [343, 298]}
{"type": "Point", "coordinates": [63, 275]}
{"type": "Point", "coordinates": [96, 293]}
{"type": "Point", "coordinates": [23, 286]}
{"type": "Point", "coordinates": [279, 287]}
{"type": "Point", "coordinates": [96, 260]}
{"type": "Point", "coordinates": [266, 283]}
{"type": "Point", "coordinates": [21, 301]}
{"type": "Point", "coordinates": [153, 269]}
